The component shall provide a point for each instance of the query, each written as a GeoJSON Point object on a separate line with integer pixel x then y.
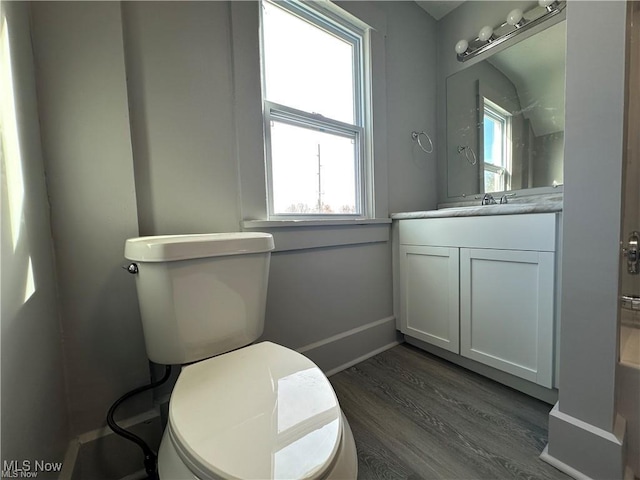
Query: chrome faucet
{"type": "Point", "coordinates": [488, 199]}
{"type": "Point", "coordinates": [504, 199]}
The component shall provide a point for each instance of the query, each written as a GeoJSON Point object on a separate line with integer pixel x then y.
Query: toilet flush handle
{"type": "Point", "coordinates": [131, 268]}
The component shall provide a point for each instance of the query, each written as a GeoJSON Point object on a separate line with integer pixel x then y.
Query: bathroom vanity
{"type": "Point", "coordinates": [481, 286]}
{"type": "Point", "coordinates": [478, 285]}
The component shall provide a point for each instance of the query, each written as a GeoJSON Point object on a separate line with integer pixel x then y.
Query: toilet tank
{"type": "Point", "coordinates": [200, 295]}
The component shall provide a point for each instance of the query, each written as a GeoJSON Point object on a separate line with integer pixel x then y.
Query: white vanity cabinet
{"type": "Point", "coordinates": [482, 287]}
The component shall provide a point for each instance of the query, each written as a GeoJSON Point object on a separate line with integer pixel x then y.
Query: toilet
{"type": "Point", "coordinates": [239, 410]}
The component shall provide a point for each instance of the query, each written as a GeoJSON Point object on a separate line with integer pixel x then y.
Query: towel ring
{"type": "Point", "coordinates": [416, 137]}
{"type": "Point", "coordinates": [466, 149]}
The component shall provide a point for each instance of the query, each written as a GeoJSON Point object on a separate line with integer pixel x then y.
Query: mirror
{"type": "Point", "coordinates": [505, 118]}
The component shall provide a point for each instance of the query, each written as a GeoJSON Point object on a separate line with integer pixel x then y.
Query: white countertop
{"type": "Point", "coordinates": [478, 210]}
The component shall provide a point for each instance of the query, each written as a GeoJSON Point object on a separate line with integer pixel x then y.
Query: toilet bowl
{"type": "Point", "coordinates": [238, 410]}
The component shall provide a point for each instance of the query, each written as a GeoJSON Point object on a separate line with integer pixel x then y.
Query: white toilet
{"type": "Point", "coordinates": [258, 412]}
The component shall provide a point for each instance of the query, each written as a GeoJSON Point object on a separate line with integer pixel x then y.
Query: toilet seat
{"type": "Point", "coordinates": [262, 411]}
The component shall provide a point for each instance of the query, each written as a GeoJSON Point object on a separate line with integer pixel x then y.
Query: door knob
{"type": "Point", "coordinates": [632, 253]}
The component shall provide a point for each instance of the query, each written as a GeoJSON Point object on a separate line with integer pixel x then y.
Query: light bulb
{"type": "Point", "coordinates": [546, 3]}
{"type": "Point", "coordinates": [514, 17]}
{"type": "Point", "coordinates": [461, 47]}
{"type": "Point", "coordinates": [485, 33]}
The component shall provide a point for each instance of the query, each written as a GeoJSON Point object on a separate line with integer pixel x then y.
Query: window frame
{"type": "Point", "coordinates": [359, 131]}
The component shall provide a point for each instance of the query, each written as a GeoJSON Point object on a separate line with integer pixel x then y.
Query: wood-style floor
{"type": "Point", "coordinates": [414, 415]}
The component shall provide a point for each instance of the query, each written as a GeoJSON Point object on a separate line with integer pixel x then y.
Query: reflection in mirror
{"type": "Point", "coordinates": [498, 148]}
{"type": "Point", "coordinates": [507, 112]}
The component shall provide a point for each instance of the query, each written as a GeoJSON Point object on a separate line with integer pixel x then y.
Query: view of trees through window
{"type": "Point", "coordinates": [313, 171]}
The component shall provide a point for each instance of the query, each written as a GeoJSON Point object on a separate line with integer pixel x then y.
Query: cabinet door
{"type": "Point", "coordinates": [506, 311]}
{"type": "Point", "coordinates": [429, 291]}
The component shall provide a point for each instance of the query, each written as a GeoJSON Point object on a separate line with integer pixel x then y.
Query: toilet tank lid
{"type": "Point", "coordinates": [167, 248]}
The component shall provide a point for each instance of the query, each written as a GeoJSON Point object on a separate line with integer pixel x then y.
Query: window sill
{"type": "Point", "coordinates": [322, 233]}
{"type": "Point", "coordinates": [313, 222]}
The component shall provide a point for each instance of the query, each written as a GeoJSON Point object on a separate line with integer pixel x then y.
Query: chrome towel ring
{"type": "Point", "coordinates": [416, 137]}
{"type": "Point", "coordinates": [466, 149]}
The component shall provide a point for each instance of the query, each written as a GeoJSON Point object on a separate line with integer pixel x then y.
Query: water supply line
{"type": "Point", "coordinates": [150, 457]}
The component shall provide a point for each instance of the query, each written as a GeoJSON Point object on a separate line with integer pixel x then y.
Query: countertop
{"type": "Point", "coordinates": [480, 210]}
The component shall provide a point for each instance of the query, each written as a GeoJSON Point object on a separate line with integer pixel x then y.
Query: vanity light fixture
{"type": "Point", "coordinates": [516, 23]}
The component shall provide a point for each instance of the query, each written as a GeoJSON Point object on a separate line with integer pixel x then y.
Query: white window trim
{"type": "Point", "coordinates": [327, 16]}
{"type": "Point", "coordinates": [494, 110]}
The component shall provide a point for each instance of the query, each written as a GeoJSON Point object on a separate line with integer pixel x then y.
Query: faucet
{"type": "Point", "coordinates": [504, 199]}
{"type": "Point", "coordinates": [488, 199]}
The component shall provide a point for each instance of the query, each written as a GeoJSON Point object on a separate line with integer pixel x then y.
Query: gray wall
{"type": "Point", "coordinates": [86, 144]}
{"type": "Point", "coordinates": [139, 113]}
{"type": "Point", "coordinates": [411, 105]}
{"type": "Point", "coordinates": [547, 159]}
{"type": "Point", "coordinates": [594, 139]}
{"type": "Point", "coordinates": [180, 91]}
{"type": "Point", "coordinates": [35, 421]}
{"type": "Point", "coordinates": [312, 295]}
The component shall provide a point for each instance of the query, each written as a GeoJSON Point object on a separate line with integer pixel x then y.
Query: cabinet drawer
{"type": "Point", "coordinates": [504, 232]}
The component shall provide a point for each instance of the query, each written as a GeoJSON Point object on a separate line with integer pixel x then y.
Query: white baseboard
{"type": "Point", "coordinates": [342, 335]}
{"type": "Point", "coordinates": [361, 358]}
{"type": "Point", "coordinates": [126, 423]}
{"type": "Point", "coordinates": [572, 472]}
{"type": "Point", "coordinates": [563, 467]}
{"type": "Point", "coordinates": [341, 351]}
{"type": "Point", "coordinates": [584, 449]}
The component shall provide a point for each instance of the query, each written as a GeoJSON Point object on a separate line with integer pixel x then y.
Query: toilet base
{"type": "Point", "coordinates": [345, 466]}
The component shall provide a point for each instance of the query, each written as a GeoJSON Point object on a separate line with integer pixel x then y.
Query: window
{"type": "Point", "coordinates": [497, 148]}
{"type": "Point", "coordinates": [314, 109]}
